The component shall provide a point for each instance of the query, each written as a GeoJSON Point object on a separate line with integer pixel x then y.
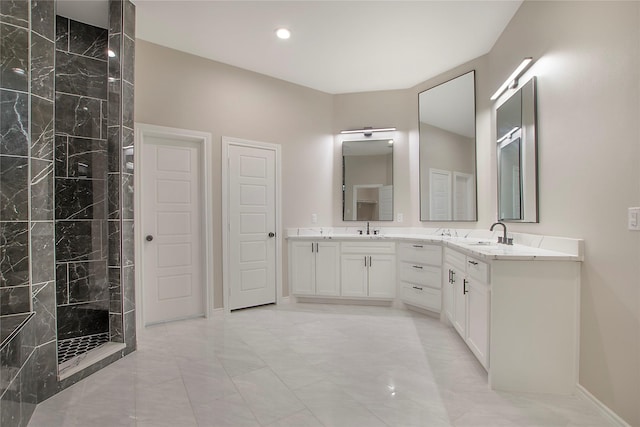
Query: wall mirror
{"type": "Point", "coordinates": [448, 151]}
{"type": "Point", "coordinates": [517, 156]}
{"type": "Point", "coordinates": [367, 180]}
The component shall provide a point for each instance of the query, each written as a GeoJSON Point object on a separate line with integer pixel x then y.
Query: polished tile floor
{"type": "Point", "coordinates": [303, 365]}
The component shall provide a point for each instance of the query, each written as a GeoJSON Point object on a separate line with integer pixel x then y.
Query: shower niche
{"type": "Point", "coordinates": [93, 190]}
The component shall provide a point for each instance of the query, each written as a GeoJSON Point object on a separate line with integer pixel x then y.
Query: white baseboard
{"type": "Point", "coordinates": [285, 300]}
{"type": "Point", "coordinates": [601, 407]}
{"type": "Point", "coordinates": [217, 312]}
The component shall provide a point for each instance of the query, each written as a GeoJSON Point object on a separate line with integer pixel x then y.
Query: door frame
{"type": "Point", "coordinates": [142, 131]}
{"type": "Point", "coordinates": [276, 148]}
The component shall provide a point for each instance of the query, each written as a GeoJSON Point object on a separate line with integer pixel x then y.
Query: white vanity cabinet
{"type": "Point", "coordinates": [368, 270]}
{"type": "Point", "coordinates": [315, 268]}
{"type": "Point", "coordinates": [420, 274]}
{"type": "Point", "coordinates": [467, 301]}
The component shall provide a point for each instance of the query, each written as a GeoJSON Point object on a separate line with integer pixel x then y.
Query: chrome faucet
{"type": "Point", "coordinates": [503, 238]}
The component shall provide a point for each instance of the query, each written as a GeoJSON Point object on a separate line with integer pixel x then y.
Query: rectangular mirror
{"type": "Point", "coordinates": [367, 180]}
{"type": "Point", "coordinates": [448, 151]}
{"type": "Point", "coordinates": [517, 156]}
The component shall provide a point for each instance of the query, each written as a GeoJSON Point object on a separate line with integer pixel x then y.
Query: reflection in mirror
{"type": "Point", "coordinates": [517, 164]}
{"type": "Point", "coordinates": [448, 151]}
{"type": "Point", "coordinates": [367, 180]}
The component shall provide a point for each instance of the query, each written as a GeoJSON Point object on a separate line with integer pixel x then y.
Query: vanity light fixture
{"type": "Point", "coordinates": [368, 131]}
{"type": "Point", "coordinates": [512, 81]}
{"type": "Point", "coordinates": [283, 33]}
{"type": "Point", "coordinates": [508, 134]}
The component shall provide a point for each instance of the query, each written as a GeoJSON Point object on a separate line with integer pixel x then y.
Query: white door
{"type": "Point", "coordinates": [385, 203]}
{"type": "Point", "coordinates": [252, 227]}
{"type": "Point", "coordinates": [463, 205]}
{"type": "Point", "coordinates": [171, 218]}
{"type": "Point", "coordinates": [439, 195]}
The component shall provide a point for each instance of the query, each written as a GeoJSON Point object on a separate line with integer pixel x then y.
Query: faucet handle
{"type": "Point", "coordinates": [509, 241]}
{"type": "Point", "coordinates": [500, 239]}
{"type": "Point", "coordinates": [360, 232]}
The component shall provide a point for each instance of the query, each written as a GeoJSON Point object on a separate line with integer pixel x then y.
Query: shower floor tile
{"type": "Point", "coordinates": [72, 347]}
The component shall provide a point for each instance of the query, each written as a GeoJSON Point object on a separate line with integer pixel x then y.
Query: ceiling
{"type": "Point", "coordinates": [336, 46]}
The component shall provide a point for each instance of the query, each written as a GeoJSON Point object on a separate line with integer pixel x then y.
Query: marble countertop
{"type": "Point", "coordinates": [477, 243]}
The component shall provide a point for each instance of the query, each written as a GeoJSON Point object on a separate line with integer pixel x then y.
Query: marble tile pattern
{"type": "Point", "coordinates": [14, 259]}
{"type": "Point", "coordinates": [14, 123]}
{"type": "Point", "coordinates": [76, 320]}
{"type": "Point", "coordinates": [19, 390]}
{"type": "Point", "coordinates": [14, 57]}
{"type": "Point", "coordinates": [42, 65]}
{"type": "Point", "coordinates": [15, 12]}
{"type": "Point", "coordinates": [14, 187]}
{"type": "Point", "coordinates": [81, 186]}
{"type": "Point", "coordinates": [304, 365]}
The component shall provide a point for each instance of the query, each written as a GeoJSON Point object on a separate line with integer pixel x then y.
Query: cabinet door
{"type": "Point", "coordinates": [302, 258]}
{"type": "Point", "coordinates": [459, 303]}
{"type": "Point", "coordinates": [478, 306]}
{"type": "Point", "coordinates": [354, 275]}
{"type": "Point", "coordinates": [382, 276]}
{"type": "Point", "coordinates": [447, 291]}
{"type": "Point", "coordinates": [328, 269]}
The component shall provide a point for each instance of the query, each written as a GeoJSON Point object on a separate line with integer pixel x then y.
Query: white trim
{"type": "Point", "coordinates": [143, 130]}
{"type": "Point", "coordinates": [603, 409]}
{"type": "Point", "coordinates": [226, 142]}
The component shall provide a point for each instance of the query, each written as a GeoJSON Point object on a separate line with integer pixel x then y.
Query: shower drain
{"type": "Point", "coordinates": [72, 347]}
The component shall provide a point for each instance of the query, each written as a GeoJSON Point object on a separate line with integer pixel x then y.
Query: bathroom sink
{"type": "Point", "coordinates": [482, 244]}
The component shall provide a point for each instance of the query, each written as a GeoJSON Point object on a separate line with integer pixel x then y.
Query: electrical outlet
{"type": "Point", "coordinates": [633, 219]}
{"type": "Point", "coordinates": [314, 218]}
{"type": "Point", "coordinates": [400, 217]}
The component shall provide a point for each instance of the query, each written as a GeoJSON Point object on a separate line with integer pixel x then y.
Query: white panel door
{"type": "Point", "coordinates": [439, 194]}
{"type": "Point", "coordinates": [252, 226]}
{"type": "Point", "coordinates": [171, 210]}
{"type": "Point", "coordinates": [479, 302]}
{"type": "Point", "coordinates": [463, 204]}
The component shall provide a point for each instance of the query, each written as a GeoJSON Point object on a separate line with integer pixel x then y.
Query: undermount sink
{"type": "Point", "coordinates": [483, 243]}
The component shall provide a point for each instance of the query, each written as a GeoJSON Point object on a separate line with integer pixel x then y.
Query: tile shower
{"type": "Point", "coordinates": [66, 205]}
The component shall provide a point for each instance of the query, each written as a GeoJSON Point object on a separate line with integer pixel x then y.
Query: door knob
{"type": "Point", "coordinates": [271, 234]}
{"type": "Point", "coordinates": [149, 238]}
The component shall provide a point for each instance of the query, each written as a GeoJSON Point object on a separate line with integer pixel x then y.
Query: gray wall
{"type": "Point", "coordinates": [589, 155]}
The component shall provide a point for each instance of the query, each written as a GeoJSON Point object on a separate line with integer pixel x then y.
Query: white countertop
{"type": "Point", "coordinates": [477, 243]}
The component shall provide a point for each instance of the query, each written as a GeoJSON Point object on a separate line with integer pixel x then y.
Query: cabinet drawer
{"type": "Point", "coordinates": [455, 258]}
{"type": "Point", "coordinates": [420, 274]}
{"type": "Point", "coordinates": [477, 270]}
{"type": "Point", "coordinates": [421, 296]}
{"type": "Point", "coordinates": [368, 248]}
{"type": "Point", "coordinates": [421, 253]}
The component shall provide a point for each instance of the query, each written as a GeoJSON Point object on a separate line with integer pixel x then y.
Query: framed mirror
{"type": "Point", "coordinates": [517, 156]}
{"type": "Point", "coordinates": [448, 151]}
{"type": "Point", "coordinates": [367, 180]}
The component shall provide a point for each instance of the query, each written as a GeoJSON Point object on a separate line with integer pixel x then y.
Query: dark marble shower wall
{"type": "Point", "coordinates": [28, 359]}
{"type": "Point", "coordinates": [82, 291]}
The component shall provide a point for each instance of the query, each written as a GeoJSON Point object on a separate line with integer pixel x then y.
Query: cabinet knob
{"type": "Point", "coordinates": [149, 238]}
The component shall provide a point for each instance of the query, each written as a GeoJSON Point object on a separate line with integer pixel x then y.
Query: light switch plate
{"type": "Point", "coordinates": [400, 217]}
{"type": "Point", "coordinates": [633, 219]}
{"type": "Point", "coordinates": [314, 218]}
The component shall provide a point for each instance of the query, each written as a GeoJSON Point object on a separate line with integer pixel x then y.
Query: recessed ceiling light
{"type": "Point", "coordinates": [20, 71]}
{"type": "Point", "coordinates": [111, 53]}
{"type": "Point", "coordinates": [283, 33]}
